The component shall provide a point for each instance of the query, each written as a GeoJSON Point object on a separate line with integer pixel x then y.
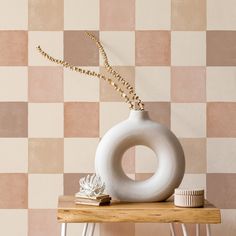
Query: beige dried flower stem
{"type": "Point", "coordinates": [135, 98]}
{"type": "Point", "coordinates": [87, 72]}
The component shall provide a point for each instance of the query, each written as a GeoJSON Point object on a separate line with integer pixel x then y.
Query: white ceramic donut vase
{"type": "Point", "coordinates": [138, 129]}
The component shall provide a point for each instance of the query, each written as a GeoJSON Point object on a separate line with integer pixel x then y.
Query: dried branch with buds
{"type": "Point", "coordinates": [121, 85]}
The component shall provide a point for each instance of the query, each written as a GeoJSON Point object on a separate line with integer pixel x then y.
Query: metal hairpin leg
{"type": "Point", "coordinates": [172, 229]}
{"type": "Point", "coordinates": [185, 233]}
{"type": "Point", "coordinates": [92, 229]}
{"type": "Point", "coordinates": [197, 229]}
{"type": "Point", "coordinates": [85, 230]}
{"type": "Point", "coordinates": [63, 229]}
{"type": "Point", "coordinates": [208, 229]}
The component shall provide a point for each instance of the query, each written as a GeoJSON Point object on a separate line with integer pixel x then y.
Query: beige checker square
{"type": "Point", "coordinates": [14, 155]}
{"type": "Point", "coordinates": [51, 42]}
{"type": "Point", "coordinates": [188, 15]}
{"type": "Point", "coordinates": [45, 156]}
{"type": "Point", "coordinates": [80, 87]}
{"type": "Point", "coordinates": [81, 15]}
{"type": "Point", "coordinates": [14, 222]}
{"type": "Point", "coordinates": [145, 160]}
{"type": "Point", "coordinates": [120, 47]}
{"type": "Point", "coordinates": [111, 113]}
{"type": "Point", "coordinates": [154, 14]}
{"type": "Point", "coordinates": [188, 120]}
{"type": "Point", "coordinates": [195, 155]}
{"type": "Point", "coordinates": [44, 190]}
{"type": "Point", "coordinates": [13, 84]}
{"type": "Point", "coordinates": [221, 15]}
{"type": "Point", "coordinates": [14, 15]}
{"type": "Point", "coordinates": [45, 120]}
{"type": "Point", "coordinates": [153, 83]}
{"type": "Point", "coordinates": [79, 155]}
{"type": "Point", "coordinates": [221, 153]}
{"type": "Point", "coordinates": [45, 15]}
{"type": "Point", "coordinates": [188, 48]}
{"type": "Point", "coordinates": [221, 84]}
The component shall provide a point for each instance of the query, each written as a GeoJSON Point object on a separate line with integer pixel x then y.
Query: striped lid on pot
{"type": "Point", "coordinates": [192, 192]}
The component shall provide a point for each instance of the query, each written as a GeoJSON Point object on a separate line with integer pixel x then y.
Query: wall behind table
{"type": "Point", "coordinates": [180, 55]}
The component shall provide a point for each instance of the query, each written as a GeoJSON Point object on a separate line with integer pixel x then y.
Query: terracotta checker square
{"type": "Point", "coordinates": [81, 119]}
{"type": "Point", "coordinates": [79, 49]}
{"type": "Point", "coordinates": [13, 119]}
{"type": "Point", "coordinates": [149, 44]}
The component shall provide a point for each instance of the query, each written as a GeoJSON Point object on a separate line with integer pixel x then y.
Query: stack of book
{"type": "Point", "coordinates": [101, 200]}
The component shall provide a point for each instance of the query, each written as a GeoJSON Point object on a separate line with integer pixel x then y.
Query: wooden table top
{"type": "Point", "coordinates": [162, 212]}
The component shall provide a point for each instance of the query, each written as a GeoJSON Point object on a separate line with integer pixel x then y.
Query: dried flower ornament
{"type": "Point", "coordinates": [126, 91]}
{"type": "Point", "coordinates": [91, 185]}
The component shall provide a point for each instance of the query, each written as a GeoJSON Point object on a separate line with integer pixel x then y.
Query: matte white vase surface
{"type": "Point", "coordinates": [138, 129]}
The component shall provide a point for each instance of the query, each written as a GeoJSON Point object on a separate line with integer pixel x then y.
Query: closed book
{"type": "Point", "coordinates": [93, 200]}
{"type": "Point", "coordinates": [92, 203]}
{"type": "Point", "coordinates": [102, 196]}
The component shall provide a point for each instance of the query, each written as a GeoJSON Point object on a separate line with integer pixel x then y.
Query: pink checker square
{"type": "Point", "coordinates": [117, 15]}
{"type": "Point", "coordinates": [45, 84]}
{"type": "Point", "coordinates": [152, 48]}
{"type": "Point", "coordinates": [81, 119]}
{"type": "Point", "coordinates": [188, 84]}
{"type": "Point", "coordinates": [13, 48]}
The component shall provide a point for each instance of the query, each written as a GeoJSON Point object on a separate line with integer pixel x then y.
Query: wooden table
{"type": "Point", "coordinates": [159, 212]}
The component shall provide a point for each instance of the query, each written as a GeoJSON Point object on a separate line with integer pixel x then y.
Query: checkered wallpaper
{"type": "Point", "coordinates": [179, 54]}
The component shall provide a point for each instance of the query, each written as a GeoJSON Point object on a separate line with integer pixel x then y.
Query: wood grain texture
{"type": "Point", "coordinates": [162, 212]}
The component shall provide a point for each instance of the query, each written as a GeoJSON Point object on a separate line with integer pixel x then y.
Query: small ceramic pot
{"type": "Point", "coordinates": [189, 197]}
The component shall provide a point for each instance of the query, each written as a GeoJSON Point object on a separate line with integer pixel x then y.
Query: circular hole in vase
{"type": "Point", "coordinates": [139, 163]}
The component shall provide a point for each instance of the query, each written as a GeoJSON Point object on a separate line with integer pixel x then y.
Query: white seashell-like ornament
{"type": "Point", "coordinates": [91, 185]}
